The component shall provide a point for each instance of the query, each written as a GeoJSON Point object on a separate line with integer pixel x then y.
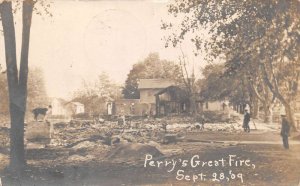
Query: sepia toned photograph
{"type": "Point", "coordinates": [149, 93]}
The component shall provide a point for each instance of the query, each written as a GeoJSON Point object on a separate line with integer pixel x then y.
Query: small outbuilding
{"type": "Point", "coordinates": [74, 107]}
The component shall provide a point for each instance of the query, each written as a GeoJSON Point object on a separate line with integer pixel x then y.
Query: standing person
{"type": "Point", "coordinates": [246, 121]}
{"type": "Point", "coordinates": [109, 110]}
{"type": "Point", "coordinates": [285, 131]}
{"type": "Point", "coordinates": [202, 122]}
{"type": "Point", "coordinates": [132, 109]}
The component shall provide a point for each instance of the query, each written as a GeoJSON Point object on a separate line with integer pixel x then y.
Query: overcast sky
{"type": "Point", "coordinates": [84, 38]}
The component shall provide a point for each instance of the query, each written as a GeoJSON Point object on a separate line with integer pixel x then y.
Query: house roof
{"type": "Point", "coordinates": [154, 83]}
{"type": "Point", "coordinates": [175, 92]}
{"type": "Point", "coordinates": [77, 103]}
{"type": "Point", "coordinates": [170, 89]}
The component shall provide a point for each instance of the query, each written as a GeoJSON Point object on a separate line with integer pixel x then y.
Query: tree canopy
{"type": "Point", "coordinates": [94, 94]}
{"type": "Point", "coordinates": [152, 67]}
{"type": "Point", "coordinates": [257, 39]}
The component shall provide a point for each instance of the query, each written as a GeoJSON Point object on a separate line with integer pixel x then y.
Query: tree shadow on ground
{"type": "Point", "coordinates": [45, 154]}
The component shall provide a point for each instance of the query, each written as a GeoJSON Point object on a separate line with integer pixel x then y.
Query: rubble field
{"type": "Point", "coordinates": [87, 140]}
{"type": "Point", "coordinates": [112, 145]}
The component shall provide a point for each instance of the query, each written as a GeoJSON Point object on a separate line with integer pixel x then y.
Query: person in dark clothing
{"type": "Point", "coordinates": [202, 122]}
{"type": "Point", "coordinates": [285, 131]}
{"type": "Point", "coordinates": [246, 121]}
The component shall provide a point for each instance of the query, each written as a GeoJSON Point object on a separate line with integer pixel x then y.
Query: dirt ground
{"type": "Point", "coordinates": [269, 163]}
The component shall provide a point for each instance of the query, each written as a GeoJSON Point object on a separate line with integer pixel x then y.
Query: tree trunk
{"type": "Point", "coordinates": [17, 150]}
{"type": "Point", "coordinates": [267, 104]}
{"type": "Point", "coordinates": [193, 108]}
{"type": "Point", "coordinates": [17, 86]}
{"type": "Point", "coordinates": [254, 107]}
{"type": "Point", "coordinates": [27, 17]}
{"type": "Point", "coordinates": [290, 116]}
{"type": "Point", "coordinates": [275, 90]}
{"type": "Point", "coordinates": [266, 112]}
{"type": "Point", "coordinates": [17, 154]}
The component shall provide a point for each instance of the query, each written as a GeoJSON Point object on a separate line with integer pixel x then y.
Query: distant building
{"type": "Point", "coordinates": [146, 105]}
{"type": "Point", "coordinates": [58, 107]}
{"type": "Point", "coordinates": [75, 107]}
{"type": "Point", "coordinates": [128, 107]}
{"type": "Point", "coordinates": [172, 100]}
{"type": "Point", "coordinates": [64, 109]}
{"type": "Point", "coordinates": [149, 87]}
{"type": "Point", "coordinates": [215, 105]}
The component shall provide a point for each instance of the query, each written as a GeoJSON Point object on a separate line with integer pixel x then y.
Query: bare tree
{"type": "Point", "coordinates": [189, 80]}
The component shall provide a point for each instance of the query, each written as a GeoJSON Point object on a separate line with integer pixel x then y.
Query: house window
{"type": "Point", "coordinates": [206, 105]}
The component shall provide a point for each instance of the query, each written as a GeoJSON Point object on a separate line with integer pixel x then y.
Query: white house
{"type": "Point", "coordinates": [61, 107]}
{"type": "Point", "coordinates": [76, 107]}
{"type": "Point", "coordinates": [58, 107]}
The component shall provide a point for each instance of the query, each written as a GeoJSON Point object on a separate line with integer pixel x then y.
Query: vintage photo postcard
{"type": "Point", "coordinates": [149, 92]}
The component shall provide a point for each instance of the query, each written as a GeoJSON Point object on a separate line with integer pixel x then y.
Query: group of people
{"type": "Point", "coordinates": [285, 127]}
